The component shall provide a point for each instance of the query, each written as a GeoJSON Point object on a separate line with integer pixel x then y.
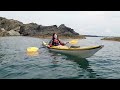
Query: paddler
{"type": "Point", "coordinates": [55, 41]}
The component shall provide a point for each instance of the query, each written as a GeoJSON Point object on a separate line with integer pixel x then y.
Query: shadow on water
{"type": "Point", "coordinates": [82, 63]}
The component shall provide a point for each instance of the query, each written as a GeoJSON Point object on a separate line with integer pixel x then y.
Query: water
{"type": "Point", "coordinates": [15, 63]}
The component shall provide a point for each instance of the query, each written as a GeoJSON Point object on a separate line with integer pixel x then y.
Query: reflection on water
{"type": "Point", "coordinates": [84, 64]}
{"type": "Point", "coordinates": [32, 54]}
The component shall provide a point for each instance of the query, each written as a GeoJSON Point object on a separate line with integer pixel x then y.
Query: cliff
{"type": "Point", "coordinates": [10, 27]}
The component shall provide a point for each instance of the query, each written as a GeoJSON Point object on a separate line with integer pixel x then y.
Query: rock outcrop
{"type": "Point", "coordinates": [66, 30]}
{"type": "Point", "coordinates": [9, 24]}
{"type": "Point", "coordinates": [28, 29]}
{"type": "Point", "coordinates": [112, 38]}
{"type": "Point", "coordinates": [13, 27]}
{"type": "Point", "coordinates": [13, 33]}
{"type": "Point", "coordinates": [3, 32]}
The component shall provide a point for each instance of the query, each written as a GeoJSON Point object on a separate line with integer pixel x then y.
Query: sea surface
{"type": "Point", "coordinates": [16, 63]}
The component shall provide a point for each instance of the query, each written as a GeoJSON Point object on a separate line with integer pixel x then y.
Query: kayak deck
{"type": "Point", "coordinates": [81, 48]}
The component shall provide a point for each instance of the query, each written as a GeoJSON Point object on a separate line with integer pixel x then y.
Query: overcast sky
{"type": "Point", "coordinates": [84, 22]}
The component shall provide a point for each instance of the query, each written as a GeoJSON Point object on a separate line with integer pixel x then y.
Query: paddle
{"type": "Point", "coordinates": [34, 49]}
{"type": "Point", "coordinates": [74, 41]}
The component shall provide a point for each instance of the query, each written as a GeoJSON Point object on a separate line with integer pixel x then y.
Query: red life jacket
{"type": "Point", "coordinates": [56, 42]}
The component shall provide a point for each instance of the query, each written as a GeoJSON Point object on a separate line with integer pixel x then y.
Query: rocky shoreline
{"type": "Point", "coordinates": [10, 27]}
{"type": "Point", "coordinates": [112, 38]}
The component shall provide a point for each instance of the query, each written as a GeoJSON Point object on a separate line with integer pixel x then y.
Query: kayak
{"type": "Point", "coordinates": [82, 52]}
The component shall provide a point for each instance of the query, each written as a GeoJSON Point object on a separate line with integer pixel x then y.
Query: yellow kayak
{"type": "Point", "coordinates": [83, 52]}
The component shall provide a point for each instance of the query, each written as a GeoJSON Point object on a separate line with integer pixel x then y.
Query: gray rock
{"type": "Point", "coordinates": [3, 32]}
{"type": "Point", "coordinates": [13, 27]}
{"type": "Point", "coordinates": [2, 29]}
{"type": "Point", "coordinates": [13, 33]}
{"type": "Point", "coordinates": [29, 29]}
{"type": "Point", "coordinates": [9, 24]}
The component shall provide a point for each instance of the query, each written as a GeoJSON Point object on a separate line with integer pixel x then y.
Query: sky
{"type": "Point", "coordinates": [102, 23]}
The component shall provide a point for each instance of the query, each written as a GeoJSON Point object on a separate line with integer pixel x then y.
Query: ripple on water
{"type": "Point", "coordinates": [15, 63]}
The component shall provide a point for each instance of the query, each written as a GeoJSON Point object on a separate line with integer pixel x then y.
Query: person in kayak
{"type": "Point", "coordinates": [55, 41]}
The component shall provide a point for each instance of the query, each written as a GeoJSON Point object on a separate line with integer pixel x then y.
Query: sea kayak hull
{"type": "Point", "coordinates": [82, 52]}
{"type": "Point", "coordinates": [78, 53]}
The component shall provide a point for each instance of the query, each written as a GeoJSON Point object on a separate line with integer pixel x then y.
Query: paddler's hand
{"type": "Point", "coordinates": [48, 46]}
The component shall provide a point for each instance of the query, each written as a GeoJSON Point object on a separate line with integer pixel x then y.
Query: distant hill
{"type": "Point", "coordinates": [10, 27]}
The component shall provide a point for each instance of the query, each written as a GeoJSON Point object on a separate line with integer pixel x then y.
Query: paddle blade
{"type": "Point", "coordinates": [73, 41]}
{"type": "Point", "coordinates": [32, 49]}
